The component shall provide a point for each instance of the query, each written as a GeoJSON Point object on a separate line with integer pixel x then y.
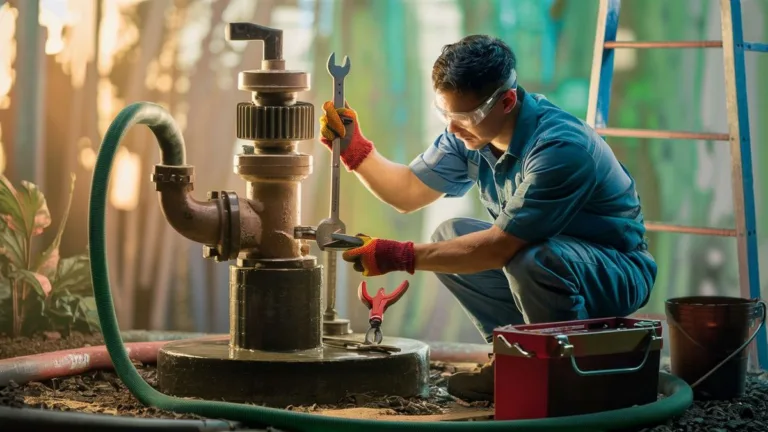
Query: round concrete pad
{"type": "Point", "coordinates": [207, 368]}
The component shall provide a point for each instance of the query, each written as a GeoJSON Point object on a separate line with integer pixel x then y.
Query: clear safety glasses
{"type": "Point", "coordinates": [472, 118]}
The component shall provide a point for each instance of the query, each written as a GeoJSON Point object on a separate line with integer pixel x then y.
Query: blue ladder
{"type": "Point", "coordinates": [733, 46]}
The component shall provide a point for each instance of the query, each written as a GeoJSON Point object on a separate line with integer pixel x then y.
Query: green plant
{"type": "Point", "coordinates": [40, 291]}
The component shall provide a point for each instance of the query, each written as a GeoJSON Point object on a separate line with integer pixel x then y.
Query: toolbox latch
{"type": "Point", "coordinates": [515, 347]}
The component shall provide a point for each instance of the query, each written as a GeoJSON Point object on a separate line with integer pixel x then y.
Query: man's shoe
{"type": "Point", "coordinates": [473, 386]}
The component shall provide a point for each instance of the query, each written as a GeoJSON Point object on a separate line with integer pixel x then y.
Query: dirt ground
{"type": "Point", "coordinates": [103, 392]}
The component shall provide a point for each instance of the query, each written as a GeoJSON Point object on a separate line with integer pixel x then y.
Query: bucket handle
{"type": "Point", "coordinates": [567, 347]}
{"type": "Point", "coordinates": [763, 307]}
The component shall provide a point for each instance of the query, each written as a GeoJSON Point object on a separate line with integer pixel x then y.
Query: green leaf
{"type": "Point", "coordinates": [12, 246]}
{"type": "Point", "coordinates": [74, 275]}
{"type": "Point", "coordinates": [60, 305]}
{"type": "Point", "coordinates": [90, 313]}
{"type": "Point", "coordinates": [40, 283]}
{"type": "Point", "coordinates": [10, 207]}
{"type": "Point", "coordinates": [35, 211]}
{"type": "Point", "coordinates": [24, 210]}
{"type": "Point", "coordinates": [65, 308]}
{"type": "Point", "coordinates": [49, 260]}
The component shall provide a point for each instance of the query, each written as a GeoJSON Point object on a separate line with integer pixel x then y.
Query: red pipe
{"type": "Point", "coordinates": [45, 366]}
{"type": "Point", "coordinates": [458, 352]}
{"type": "Point", "coordinates": [40, 367]}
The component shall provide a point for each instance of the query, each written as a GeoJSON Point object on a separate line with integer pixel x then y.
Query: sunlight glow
{"type": "Point", "coordinates": [625, 59]}
{"type": "Point", "coordinates": [2, 152]}
{"type": "Point", "coordinates": [55, 15]}
{"type": "Point", "coordinates": [124, 186]}
{"type": "Point", "coordinates": [86, 155]}
{"type": "Point", "coordinates": [75, 50]}
{"type": "Point", "coordinates": [8, 17]}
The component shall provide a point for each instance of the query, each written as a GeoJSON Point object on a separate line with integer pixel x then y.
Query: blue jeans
{"type": "Point", "coordinates": [560, 279]}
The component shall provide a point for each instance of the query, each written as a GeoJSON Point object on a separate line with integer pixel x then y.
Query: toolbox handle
{"type": "Point", "coordinates": [515, 346]}
{"type": "Point", "coordinates": [567, 347]}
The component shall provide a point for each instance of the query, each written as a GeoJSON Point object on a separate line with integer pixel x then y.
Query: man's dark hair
{"type": "Point", "coordinates": [476, 64]}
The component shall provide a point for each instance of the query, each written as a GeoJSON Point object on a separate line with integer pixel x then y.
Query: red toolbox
{"type": "Point", "coordinates": [575, 367]}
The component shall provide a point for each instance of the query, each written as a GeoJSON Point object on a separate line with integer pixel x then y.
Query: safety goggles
{"type": "Point", "coordinates": [472, 118]}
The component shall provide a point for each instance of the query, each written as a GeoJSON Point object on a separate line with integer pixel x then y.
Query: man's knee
{"type": "Point", "coordinates": [533, 255]}
{"type": "Point", "coordinates": [457, 227]}
{"type": "Point", "coordinates": [539, 264]}
{"type": "Point", "coordinates": [544, 286]}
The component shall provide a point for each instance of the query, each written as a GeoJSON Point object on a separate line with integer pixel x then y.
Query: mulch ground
{"type": "Point", "coordinates": [103, 392]}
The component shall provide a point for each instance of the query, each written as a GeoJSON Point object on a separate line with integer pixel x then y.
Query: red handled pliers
{"type": "Point", "coordinates": [378, 304]}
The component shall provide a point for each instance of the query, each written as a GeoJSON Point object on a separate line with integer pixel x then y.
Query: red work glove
{"type": "Point", "coordinates": [342, 123]}
{"type": "Point", "coordinates": [377, 257]}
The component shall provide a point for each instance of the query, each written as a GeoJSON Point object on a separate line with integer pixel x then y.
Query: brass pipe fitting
{"type": "Point", "coordinates": [224, 224]}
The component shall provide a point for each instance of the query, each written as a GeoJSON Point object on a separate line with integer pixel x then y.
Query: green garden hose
{"type": "Point", "coordinates": [173, 153]}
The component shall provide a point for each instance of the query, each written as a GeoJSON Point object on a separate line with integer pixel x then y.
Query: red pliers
{"type": "Point", "coordinates": [378, 304]}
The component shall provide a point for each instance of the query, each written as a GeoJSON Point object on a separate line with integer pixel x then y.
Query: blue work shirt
{"type": "Point", "coordinates": [558, 176]}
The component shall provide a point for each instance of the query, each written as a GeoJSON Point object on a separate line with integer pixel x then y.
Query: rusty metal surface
{"type": "Point", "coordinates": [281, 202]}
{"type": "Point", "coordinates": [321, 376]}
{"type": "Point", "coordinates": [199, 221]}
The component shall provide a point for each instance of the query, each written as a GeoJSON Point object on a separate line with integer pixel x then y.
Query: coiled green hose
{"type": "Point", "coordinates": [173, 153]}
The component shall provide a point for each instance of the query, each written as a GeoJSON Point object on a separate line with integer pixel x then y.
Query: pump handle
{"type": "Point", "coordinates": [244, 31]}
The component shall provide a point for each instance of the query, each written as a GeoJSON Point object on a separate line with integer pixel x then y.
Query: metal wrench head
{"type": "Point", "coordinates": [325, 229]}
{"type": "Point", "coordinates": [338, 72]}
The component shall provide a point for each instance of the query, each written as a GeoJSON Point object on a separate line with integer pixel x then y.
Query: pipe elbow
{"type": "Point", "coordinates": [225, 224]}
{"type": "Point", "coordinates": [199, 221]}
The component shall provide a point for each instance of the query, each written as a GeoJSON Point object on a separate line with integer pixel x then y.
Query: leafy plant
{"type": "Point", "coordinates": [45, 292]}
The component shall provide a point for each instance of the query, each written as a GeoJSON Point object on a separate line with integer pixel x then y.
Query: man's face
{"type": "Point", "coordinates": [475, 135]}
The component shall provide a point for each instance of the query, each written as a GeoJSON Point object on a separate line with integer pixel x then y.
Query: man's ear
{"type": "Point", "coordinates": [509, 100]}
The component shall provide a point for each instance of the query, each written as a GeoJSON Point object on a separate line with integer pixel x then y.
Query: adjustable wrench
{"type": "Point", "coordinates": [333, 224]}
{"type": "Point", "coordinates": [327, 227]}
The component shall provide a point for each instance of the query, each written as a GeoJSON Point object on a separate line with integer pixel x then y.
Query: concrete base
{"type": "Point", "coordinates": [208, 368]}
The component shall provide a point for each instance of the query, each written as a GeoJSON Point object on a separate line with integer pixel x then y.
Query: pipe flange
{"type": "Point", "coordinates": [228, 246]}
{"type": "Point", "coordinates": [273, 80]}
{"type": "Point", "coordinates": [280, 123]}
{"type": "Point", "coordinates": [172, 174]}
{"type": "Point", "coordinates": [287, 167]}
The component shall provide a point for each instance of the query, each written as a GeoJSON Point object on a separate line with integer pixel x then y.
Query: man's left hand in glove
{"type": "Point", "coordinates": [378, 256]}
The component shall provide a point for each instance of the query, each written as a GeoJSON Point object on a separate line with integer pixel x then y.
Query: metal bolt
{"type": "Point", "coordinates": [248, 149]}
{"type": "Point", "coordinates": [210, 251]}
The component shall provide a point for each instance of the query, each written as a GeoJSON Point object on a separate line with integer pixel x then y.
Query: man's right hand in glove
{"type": "Point", "coordinates": [342, 123]}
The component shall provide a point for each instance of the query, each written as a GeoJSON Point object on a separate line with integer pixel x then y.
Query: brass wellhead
{"type": "Point", "coordinates": [274, 116]}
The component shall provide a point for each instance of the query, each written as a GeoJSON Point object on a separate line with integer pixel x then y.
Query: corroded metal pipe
{"type": "Point", "coordinates": [274, 181]}
{"type": "Point", "coordinates": [224, 223]}
{"type": "Point", "coordinates": [198, 221]}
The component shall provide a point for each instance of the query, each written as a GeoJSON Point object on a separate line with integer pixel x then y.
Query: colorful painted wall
{"type": "Point", "coordinates": [60, 88]}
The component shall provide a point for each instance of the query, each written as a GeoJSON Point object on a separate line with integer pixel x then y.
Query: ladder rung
{"type": "Point", "coordinates": [756, 46]}
{"type": "Point", "coordinates": [664, 44]}
{"type": "Point", "coordinates": [661, 227]}
{"type": "Point", "coordinates": [649, 133]}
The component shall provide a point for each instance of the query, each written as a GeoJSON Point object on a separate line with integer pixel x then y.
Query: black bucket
{"type": "Point", "coordinates": [708, 339]}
